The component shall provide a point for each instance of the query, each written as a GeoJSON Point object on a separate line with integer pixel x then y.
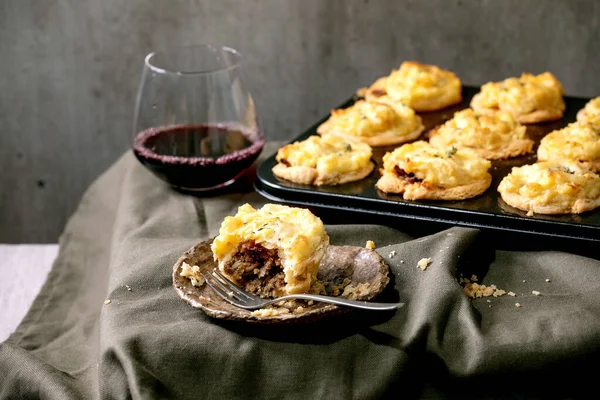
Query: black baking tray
{"type": "Point", "coordinates": [487, 211]}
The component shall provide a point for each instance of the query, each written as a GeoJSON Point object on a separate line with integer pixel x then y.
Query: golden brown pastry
{"type": "Point", "coordinates": [591, 109]}
{"type": "Point", "coordinates": [421, 87]}
{"type": "Point", "coordinates": [324, 160]}
{"type": "Point", "coordinates": [273, 251]}
{"type": "Point", "coordinates": [374, 123]}
{"type": "Point", "coordinates": [421, 171]}
{"type": "Point", "coordinates": [530, 98]}
{"type": "Point", "coordinates": [578, 142]}
{"type": "Point", "coordinates": [551, 188]}
{"type": "Point", "coordinates": [490, 136]}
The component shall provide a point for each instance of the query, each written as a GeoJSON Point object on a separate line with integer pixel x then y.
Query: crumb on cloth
{"type": "Point", "coordinates": [370, 244]}
{"type": "Point", "coordinates": [423, 263]}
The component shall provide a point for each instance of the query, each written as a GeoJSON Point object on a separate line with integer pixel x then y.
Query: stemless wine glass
{"type": "Point", "coordinates": [195, 122]}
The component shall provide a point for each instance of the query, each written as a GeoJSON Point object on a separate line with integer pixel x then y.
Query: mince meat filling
{"type": "Point", "coordinates": [409, 177]}
{"type": "Point", "coordinates": [257, 269]}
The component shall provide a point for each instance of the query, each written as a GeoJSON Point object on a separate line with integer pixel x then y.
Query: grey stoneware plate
{"type": "Point", "coordinates": [342, 266]}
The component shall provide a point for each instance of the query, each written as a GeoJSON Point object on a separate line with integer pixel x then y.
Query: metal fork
{"type": "Point", "coordinates": [237, 296]}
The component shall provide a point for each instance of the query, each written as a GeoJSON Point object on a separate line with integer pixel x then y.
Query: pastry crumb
{"type": "Point", "coordinates": [423, 263]}
{"type": "Point", "coordinates": [107, 301]}
{"type": "Point", "coordinates": [392, 254]}
{"type": "Point", "coordinates": [535, 292]}
{"type": "Point", "coordinates": [512, 294]}
{"type": "Point", "coordinates": [474, 278]}
{"type": "Point", "coordinates": [310, 302]}
{"type": "Point", "coordinates": [299, 310]}
{"type": "Point", "coordinates": [518, 305]}
{"type": "Point", "coordinates": [270, 312]}
{"type": "Point", "coordinates": [530, 213]}
{"type": "Point", "coordinates": [192, 273]}
{"type": "Point", "coordinates": [401, 261]}
{"type": "Point", "coordinates": [370, 244]}
{"type": "Point", "coordinates": [548, 280]}
{"type": "Point", "coordinates": [128, 287]}
{"type": "Point", "coordinates": [475, 290]}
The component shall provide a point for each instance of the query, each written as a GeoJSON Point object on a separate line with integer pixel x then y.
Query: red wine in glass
{"type": "Point", "coordinates": [196, 126]}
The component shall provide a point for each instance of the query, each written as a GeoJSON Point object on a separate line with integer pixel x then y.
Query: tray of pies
{"type": "Point", "coordinates": [513, 155]}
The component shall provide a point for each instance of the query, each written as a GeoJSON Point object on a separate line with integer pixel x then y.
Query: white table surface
{"type": "Point", "coordinates": [23, 270]}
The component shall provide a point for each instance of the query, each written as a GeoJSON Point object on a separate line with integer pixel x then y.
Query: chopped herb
{"type": "Point", "coordinates": [348, 147]}
{"type": "Point", "coordinates": [561, 168]}
{"type": "Point", "coordinates": [451, 152]}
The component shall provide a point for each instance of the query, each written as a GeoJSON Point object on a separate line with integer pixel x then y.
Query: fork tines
{"type": "Point", "coordinates": [228, 290]}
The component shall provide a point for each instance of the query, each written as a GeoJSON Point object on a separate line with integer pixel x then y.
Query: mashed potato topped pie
{"type": "Point", "coordinates": [273, 251]}
{"type": "Point", "coordinates": [374, 123]}
{"type": "Point", "coordinates": [551, 188]}
{"type": "Point", "coordinates": [530, 98]}
{"type": "Point", "coordinates": [591, 110]}
{"type": "Point", "coordinates": [578, 142]}
{"type": "Point", "coordinates": [421, 171]}
{"type": "Point", "coordinates": [421, 87]}
{"type": "Point", "coordinates": [491, 136]}
{"type": "Point", "coordinates": [324, 160]}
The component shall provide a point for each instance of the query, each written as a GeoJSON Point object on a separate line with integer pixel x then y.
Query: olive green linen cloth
{"type": "Point", "coordinates": [129, 230]}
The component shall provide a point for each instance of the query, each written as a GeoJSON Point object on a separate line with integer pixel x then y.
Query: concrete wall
{"type": "Point", "coordinates": [69, 71]}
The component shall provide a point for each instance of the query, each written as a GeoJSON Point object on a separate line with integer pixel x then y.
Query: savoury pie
{"type": "Point", "coordinates": [530, 98]}
{"type": "Point", "coordinates": [374, 123]}
{"type": "Point", "coordinates": [421, 87]}
{"type": "Point", "coordinates": [591, 109]}
{"type": "Point", "coordinates": [490, 136]}
{"type": "Point", "coordinates": [272, 251]}
{"type": "Point", "coordinates": [551, 188]}
{"type": "Point", "coordinates": [324, 160]}
{"type": "Point", "coordinates": [578, 142]}
{"type": "Point", "coordinates": [420, 171]}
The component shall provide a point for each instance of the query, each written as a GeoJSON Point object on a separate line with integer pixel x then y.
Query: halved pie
{"type": "Point", "coordinates": [272, 251]}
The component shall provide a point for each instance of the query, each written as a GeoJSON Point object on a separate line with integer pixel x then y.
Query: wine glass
{"type": "Point", "coordinates": [195, 124]}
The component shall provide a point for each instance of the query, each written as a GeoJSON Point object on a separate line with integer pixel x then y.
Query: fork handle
{"type": "Point", "coordinates": [365, 305]}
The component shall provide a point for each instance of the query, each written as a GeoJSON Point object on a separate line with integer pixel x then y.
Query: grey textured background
{"type": "Point", "coordinates": [69, 71]}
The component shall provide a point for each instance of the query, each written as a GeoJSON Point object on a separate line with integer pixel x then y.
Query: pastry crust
{"type": "Point", "coordinates": [293, 238]}
{"type": "Point", "coordinates": [590, 111]}
{"type": "Point", "coordinates": [420, 171]}
{"type": "Point", "coordinates": [324, 160]}
{"type": "Point", "coordinates": [374, 123]}
{"type": "Point", "coordinates": [551, 188]}
{"type": "Point", "coordinates": [530, 99]}
{"type": "Point", "coordinates": [420, 86]}
{"type": "Point", "coordinates": [578, 142]}
{"type": "Point", "coordinates": [490, 136]}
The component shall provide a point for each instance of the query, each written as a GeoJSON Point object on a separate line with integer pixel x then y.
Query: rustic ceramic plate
{"type": "Point", "coordinates": [342, 266]}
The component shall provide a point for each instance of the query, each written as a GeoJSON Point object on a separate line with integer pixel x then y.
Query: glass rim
{"type": "Point", "coordinates": [230, 50]}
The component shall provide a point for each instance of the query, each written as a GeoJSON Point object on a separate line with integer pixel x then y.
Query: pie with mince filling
{"type": "Point", "coordinates": [493, 137]}
{"type": "Point", "coordinates": [420, 171]}
{"type": "Point", "coordinates": [530, 98]}
{"type": "Point", "coordinates": [374, 123]}
{"type": "Point", "coordinates": [421, 87]}
{"type": "Point", "coordinates": [579, 142]}
{"type": "Point", "coordinates": [551, 188]}
{"type": "Point", "coordinates": [324, 160]}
